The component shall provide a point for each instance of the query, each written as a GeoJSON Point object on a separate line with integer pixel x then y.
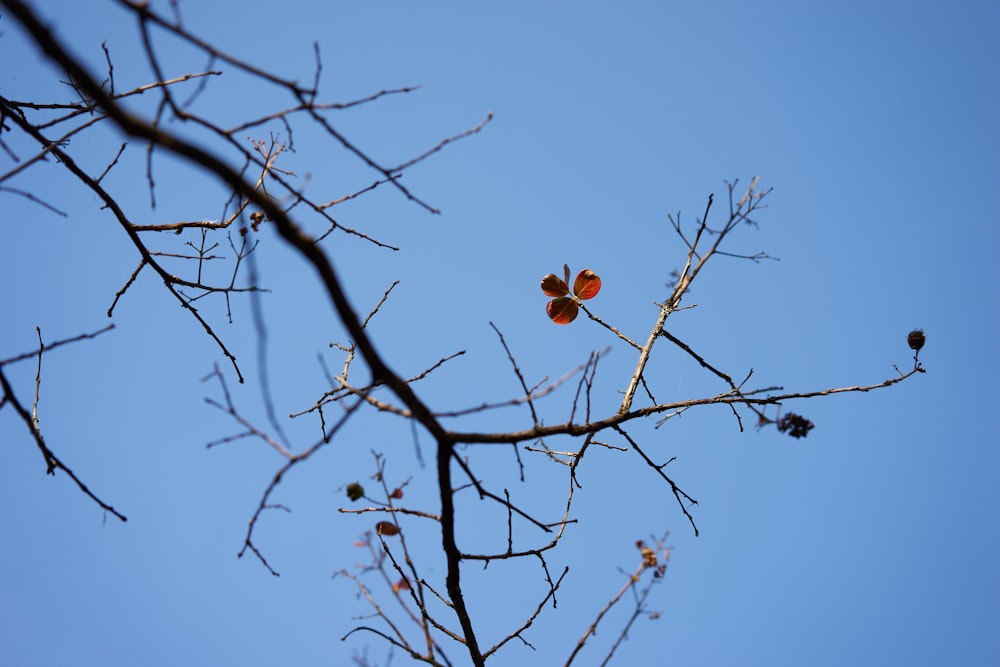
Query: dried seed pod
{"type": "Point", "coordinates": [916, 339]}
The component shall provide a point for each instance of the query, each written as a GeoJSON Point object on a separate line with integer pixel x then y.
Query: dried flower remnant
{"type": "Point", "coordinates": [797, 425]}
{"type": "Point", "coordinates": [916, 339]}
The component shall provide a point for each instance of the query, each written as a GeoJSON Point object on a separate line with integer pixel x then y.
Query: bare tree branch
{"type": "Point", "coordinates": [421, 618]}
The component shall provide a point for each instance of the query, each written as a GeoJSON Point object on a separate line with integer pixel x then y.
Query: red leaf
{"type": "Point", "coordinates": [396, 493]}
{"type": "Point", "coordinates": [587, 284]}
{"type": "Point", "coordinates": [552, 285]}
{"type": "Point", "coordinates": [562, 310]}
{"type": "Point", "coordinates": [386, 528]}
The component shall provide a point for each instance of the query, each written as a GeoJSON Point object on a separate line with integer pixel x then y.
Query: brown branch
{"type": "Point", "coordinates": [275, 481]}
{"type": "Point", "coordinates": [535, 393]}
{"type": "Point", "coordinates": [604, 324]}
{"type": "Point", "coordinates": [410, 405]}
{"type": "Point", "coordinates": [169, 280]}
{"type": "Point", "coordinates": [59, 343]}
{"type": "Point", "coordinates": [291, 459]}
{"type": "Point", "coordinates": [518, 633]}
{"type": "Point", "coordinates": [573, 429]}
{"type": "Point", "coordinates": [643, 595]}
{"type": "Point", "coordinates": [390, 510]}
{"type": "Point", "coordinates": [679, 494]}
{"type": "Point", "coordinates": [52, 462]}
{"type": "Point", "coordinates": [48, 146]}
{"type": "Point", "coordinates": [649, 564]}
{"type": "Point", "coordinates": [333, 106]}
{"type": "Point", "coordinates": [33, 198]}
{"type": "Point", "coordinates": [520, 376]}
{"type": "Point", "coordinates": [440, 145]}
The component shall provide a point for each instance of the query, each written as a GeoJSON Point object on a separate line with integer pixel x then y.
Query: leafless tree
{"type": "Point", "coordinates": [422, 615]}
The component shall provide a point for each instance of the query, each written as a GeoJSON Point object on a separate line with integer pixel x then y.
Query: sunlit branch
{"type": "Point", "coordinates": [577, 429]}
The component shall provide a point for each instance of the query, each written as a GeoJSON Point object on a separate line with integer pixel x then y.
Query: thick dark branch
{"type": "Point", "coordinates": [309, 250]}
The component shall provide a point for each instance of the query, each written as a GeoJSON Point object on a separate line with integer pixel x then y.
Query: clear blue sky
{"type": "Point", "coordinates": [874, 541]}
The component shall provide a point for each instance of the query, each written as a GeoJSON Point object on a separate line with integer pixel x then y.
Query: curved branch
{"type": "Point", "coordinates": [314, 255]}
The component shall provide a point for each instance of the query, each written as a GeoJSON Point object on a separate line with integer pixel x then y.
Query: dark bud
{"type": "Point", "coordinates": [916, 339]}
{"type": "Point", "coordinates": [355, 491]}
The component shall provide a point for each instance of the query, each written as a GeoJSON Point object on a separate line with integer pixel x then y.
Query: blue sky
{"type": "Point", "coordinates": [871, 542]}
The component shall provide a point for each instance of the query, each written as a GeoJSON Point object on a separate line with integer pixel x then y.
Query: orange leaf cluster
{"type": "Point", "coordinates": [564, 308]}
